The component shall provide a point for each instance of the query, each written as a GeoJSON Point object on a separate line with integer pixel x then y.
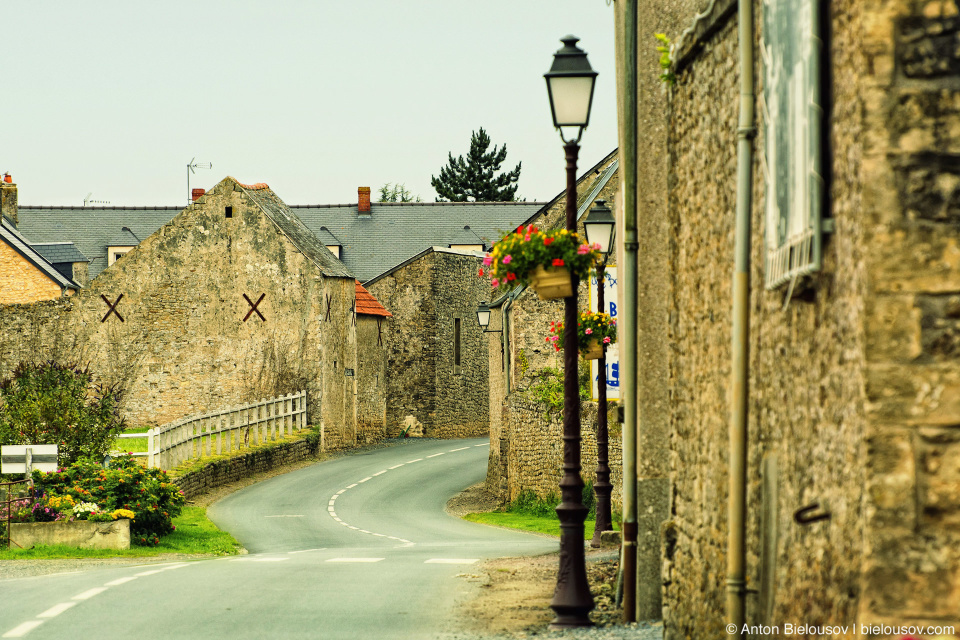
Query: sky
{"type": "Point", "coordinates": [110, 100]}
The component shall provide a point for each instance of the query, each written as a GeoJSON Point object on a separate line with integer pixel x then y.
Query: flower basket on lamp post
{"type": "Point", "coordinates": [594, 330]}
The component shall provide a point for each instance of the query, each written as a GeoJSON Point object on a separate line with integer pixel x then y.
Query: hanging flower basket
{"type": "Point", "coordinates": [529, 256]}
{"type": "Point", "coordinates": [553, 283]}
{"type": "Point", "coordinates": [593, 331]}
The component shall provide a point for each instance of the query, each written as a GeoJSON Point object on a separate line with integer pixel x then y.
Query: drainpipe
{"type": "Point", "coordinates": [629, 343]}
{"type": "Point", "coordinates": [737, 506]}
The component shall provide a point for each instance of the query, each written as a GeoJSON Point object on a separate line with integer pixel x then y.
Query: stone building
{"type": "Point", "coordinates": [232, 300]}
{"type": "Point", "coordinates": [854, 289]}
{"type": "Point", "coordinates": [526, 450]}
{"type": "Point", "coordinates": [374, 328]}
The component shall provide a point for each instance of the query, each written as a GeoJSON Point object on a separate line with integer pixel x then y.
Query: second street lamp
{"type": "Point", "coordinates": [600, 227]}
{"type": "Point", "coordinates": [570, 84]}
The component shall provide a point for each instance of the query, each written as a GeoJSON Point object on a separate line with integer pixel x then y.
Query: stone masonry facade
{"type": "Point", "coordinates": [854, 388]}
{"type": "Point", "coordinates": [217, 308]}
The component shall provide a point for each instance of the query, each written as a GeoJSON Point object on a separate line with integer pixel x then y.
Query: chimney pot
{"type": "Point", "coordinates": [196, 193]}
{"type": "Point", "coordinates": [363, 196]}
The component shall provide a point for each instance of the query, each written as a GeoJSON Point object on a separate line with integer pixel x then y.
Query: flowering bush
{"type": "Point", "coordinates": [518, 253]}
{"type": "Point", "coordinates": [123, 513]}
{"type": "Point", "coordinates": [590, 326]}
{"type": "Point", "coordinates": [126, 486]}
{"type": "Point", "coordinates": [83, 510]}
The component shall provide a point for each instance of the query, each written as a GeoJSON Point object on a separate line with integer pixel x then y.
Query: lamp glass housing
{"type": "Point", "coordinates": [570, 99]}
{"type": "Point", "coordinates": [483, 316]}
{"type": "Point", "coordinates": [600, 227]}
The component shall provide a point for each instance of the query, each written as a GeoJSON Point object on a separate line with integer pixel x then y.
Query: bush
{"type": "Point", "coordinates": [126, 486]}
{"type": "Point", "coordinates": [54, 404]}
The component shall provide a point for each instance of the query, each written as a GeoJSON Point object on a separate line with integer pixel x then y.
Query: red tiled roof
{"type": "Point", "coordinates": [368, 305]}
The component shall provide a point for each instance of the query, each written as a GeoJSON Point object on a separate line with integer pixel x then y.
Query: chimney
{"type": "Point", "coordinates": [8, 199]}
{"type": "Point", "coordinates": [196, 193]}
{"type": "Point", "coordinates": [363, 205]}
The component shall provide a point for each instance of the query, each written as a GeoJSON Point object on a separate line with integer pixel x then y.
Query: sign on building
{"type": "Point", "coordinates": [613, 350]}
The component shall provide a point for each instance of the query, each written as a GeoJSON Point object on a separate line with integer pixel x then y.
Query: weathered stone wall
{"type": "Point", "coordinates": [911, 171]}
{"type": "Point", "coordinates": [531, 449]}
{"type": "Point", "coordinates": [188, 339]}
{"type": "Point", "coordinates": [427, 297]}
{"type": "Point", "coordinates": [372, 336]}
{"type": "Point", "coordinates": [22, 282]}
{"type": "Point", "coordinates": [221, 472]}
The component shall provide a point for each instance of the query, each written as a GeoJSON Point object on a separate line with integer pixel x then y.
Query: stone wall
{"type": "Point", "coordinates": [21, 281]}
{"type": "Point", "coordinates": [429, 297]}
{"type": "Point", "coordinates": [372, 335]}
{"type": "Point", "coordinates": [221, 472]}
{"type": "Point", "coordinates": [170, 320]}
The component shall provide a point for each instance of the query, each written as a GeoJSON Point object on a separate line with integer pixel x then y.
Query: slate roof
{"type": "Point", "coordinates": [60, 252]}
{"type": "Point", "coordinates": [91, 229]}
{"type": "Point", "coordinates": [395, 231]}
{"type": "Point", "coordinates": [291, 226]}
{"type": "Point", "coordinates": [12, 237]}
{"type": "Point", "coordinates": [367, 305]}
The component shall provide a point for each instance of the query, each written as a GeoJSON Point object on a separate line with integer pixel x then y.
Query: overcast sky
{"type": "Point", "coordinates": [313, 97]}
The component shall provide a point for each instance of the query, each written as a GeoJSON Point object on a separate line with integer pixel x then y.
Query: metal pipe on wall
{"type": "Point", "coordinates": [740, 374]}
{"type": "Point", "coordinates": [629, 341]}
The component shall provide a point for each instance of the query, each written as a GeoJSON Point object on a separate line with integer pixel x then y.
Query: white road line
{"type": "Point", "coordinates": [120, 581]}
{"type": "Point", "coordinates": [150, 573]}
{"type": "Point", "coordinates": [89, 593]}
{"type": "Point", "coordinates": [451, 560]}
{"type": "Point", "coordinates": [437, 454]}
{"type": "Point", "coordinates": [379, 473]}
{"type": "Point", "coordinates": [367, 560]}
{"type": "Point", "coordinates": [364, 480]}
{"type": "Point", "coordinates": [460, 449]}
{"type": "Point", "coordinates": [412, 461]}
{"type": "Point", "coordinates": [337, 518]}
{"type": "Point", "coordinates": [56, 610]}
{"type": "Point", "coordinates": [341, 491]}
{"type": "Point", "coordinates": [485, 444]}
{"type": "Point", "coordinates": [306, 550]}
{"type": "Point", "coordinates": [23, 629]}
{"type": "Point", "coordinates": [351, 486]}
{"type": "Point", "coordinates": [397, 466]}
{"type": "Point", "coordinates": [285, 516]}
{"type": "Point", "coordinates": [333, 501]}
{"type": "Point", "coordinates": [331, 510]}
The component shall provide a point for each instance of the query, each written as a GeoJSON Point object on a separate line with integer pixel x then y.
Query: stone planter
{"type": "Point", "coordinates": [551, 284]}
{"type": "Point", "coordinates": [80, 533]}
{"type": "Point", "coordinates": [592, 350]}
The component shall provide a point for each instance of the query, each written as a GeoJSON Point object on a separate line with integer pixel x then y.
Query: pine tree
{"type": "Point", "coordinates": [474, 179]}
{"type": "Point", "coordinates": [397, 193]}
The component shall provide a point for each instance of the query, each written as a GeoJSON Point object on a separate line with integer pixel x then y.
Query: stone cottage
{"type": "Point", "coordinates": [232, 300]}
{"type": "Point", "coordinates": [852, 380]}
{"type": "Point", "coordinates": [374, 328]}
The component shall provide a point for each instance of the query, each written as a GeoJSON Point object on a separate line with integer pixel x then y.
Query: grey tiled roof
{"type": "Point", "coordinates": [303, 238]}
{"type": "Point", "coordinates": [91, 229]}
{"type": "Point", "coordinates": [395, 232]}
{"type": "Point", "coordinates": [13, 238]}
{"type": "Point", "coordinates": [60, 252]}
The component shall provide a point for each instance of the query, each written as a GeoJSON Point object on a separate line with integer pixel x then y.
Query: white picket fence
{"type": "Point", "coordinates": [224, 431]}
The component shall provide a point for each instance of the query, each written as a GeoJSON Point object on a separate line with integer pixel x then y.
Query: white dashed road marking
{"type": "Point", "coordinates": [89, 593]}
{"type": "Point", "coordinates": [437, 454]}
{"type": "Point", "coordinates": [367, 560]}
{"type": "Point", "coordinates": [56, 610]}
{"type": "Point", "coordinates": [120, 581]}
{"type": "Point", "coordinates": [23, 629]}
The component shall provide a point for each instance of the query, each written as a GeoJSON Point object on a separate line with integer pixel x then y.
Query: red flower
{"type": "Point", "coordinates": [558, 262]}
{"type": "Point", "coordinates": [481, 273]}
{"type": "Point", "coordinates": [511, 276]}
{"type": "Point", "coordinates": [547, 241]}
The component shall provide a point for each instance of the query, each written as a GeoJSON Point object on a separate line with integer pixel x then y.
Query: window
{"type": "Point", "coordinates": [228, 212]}
{"type": "Point", "coordinates": [456, 342]}
{"type": "Point", "coordinates": [115, 253]}
{"type": "Point", "coordinates": [792, 113]}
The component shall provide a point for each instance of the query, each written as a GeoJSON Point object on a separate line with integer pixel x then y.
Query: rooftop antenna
{"type": "Point", "coordinates": [88, 200]}
{"type": "Point", "coordinates": [190, 169]}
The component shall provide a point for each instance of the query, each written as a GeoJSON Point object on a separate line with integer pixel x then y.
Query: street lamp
{"type": "Point", "coordinates": [483, 316]}
{"type": "Point", "coordinates": [570, 87]}
{"type": "Point", "coordinates": [600, 227]}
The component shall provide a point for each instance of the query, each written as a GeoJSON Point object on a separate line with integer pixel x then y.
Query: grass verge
{"type": "Point", "coordinates": [525, 522]}
{"type": "Point", "coordinates": [195, 535]}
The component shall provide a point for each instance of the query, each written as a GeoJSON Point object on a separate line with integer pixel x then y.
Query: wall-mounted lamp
{"type": "Point", "coordinates": [483, 318]}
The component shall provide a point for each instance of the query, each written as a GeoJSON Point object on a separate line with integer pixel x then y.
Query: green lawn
{"type": "Point", "coordinates": [195, 534]}
{"type": "Point", "coordinates": [548, 524]}
{"type": "Point", "coordinates": [132, 445]}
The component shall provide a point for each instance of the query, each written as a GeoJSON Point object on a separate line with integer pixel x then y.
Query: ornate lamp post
{"type": "Point", "coordinates": [600, 227]}
{"type": "Point", "coordinates": [570, 84]}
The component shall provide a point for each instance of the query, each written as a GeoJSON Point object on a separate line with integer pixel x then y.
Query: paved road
{"type": "Point", "coordinates": [357, 547]}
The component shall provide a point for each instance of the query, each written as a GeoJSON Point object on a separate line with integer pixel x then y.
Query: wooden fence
{"type": "Point", "coordinates": [226, 430]}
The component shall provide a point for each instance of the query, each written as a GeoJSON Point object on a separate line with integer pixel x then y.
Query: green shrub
{"type": "Point", "coordinates": [148, 493]}
{"type": "Point", "coordinates": [53, 404]}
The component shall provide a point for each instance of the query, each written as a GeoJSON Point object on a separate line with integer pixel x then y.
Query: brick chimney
{"type": "Point", "coordinates": [363, 205]}
{"type": "Point", "coordinates": [8, 201]}
{"type": "Point", "coordinates": [196, 193]}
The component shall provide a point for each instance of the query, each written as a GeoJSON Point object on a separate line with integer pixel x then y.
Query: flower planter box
{"type": "Point", "coordinates": [551, 284]}
{"type": "Point", "coordinates": [592, 350]}
{"type": "Point", "coordinates": [80, 533]}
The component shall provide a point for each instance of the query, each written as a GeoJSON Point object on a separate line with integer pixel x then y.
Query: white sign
{"type": "Point", "coordinates": [13, 457]}
{"type": "Point", "coordinates": [613, 350]}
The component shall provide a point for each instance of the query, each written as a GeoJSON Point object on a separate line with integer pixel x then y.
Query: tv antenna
{"type": "Point", "coordinates": [190, 169]}
{"type": "Point", "coordinates": [88, 201]}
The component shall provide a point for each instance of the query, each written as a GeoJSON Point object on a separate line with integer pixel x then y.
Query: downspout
{"type": "Point", "coordinates": [630, 315]}
{"type": "Point", "coordinates": [737, 505]}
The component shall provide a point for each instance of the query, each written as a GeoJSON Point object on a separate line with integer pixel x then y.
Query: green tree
{"type": "Point", "coordinates": [475, 179]}
{"type": "Point", "coordinates": [53, 404]}
{"type": "Point", "coordinates": [397, 193]}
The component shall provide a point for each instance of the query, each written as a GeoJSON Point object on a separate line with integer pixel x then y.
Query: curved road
{"type": "Point", "coordinates": [357, 547]}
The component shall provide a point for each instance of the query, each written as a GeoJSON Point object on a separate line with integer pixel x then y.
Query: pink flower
{"type": "Point", "coordinates": [495, 283]}
{"type": "Point", "coordinates": [507, 259]}
{"type": "Point", "coordinates": [588, 331]}
{"type": "Point", "coordinates": [606, 340]}
{"type": "Point", "coordinates": [488, 260]}
{"type": "Point", "coordinates": [583, 249]}
{"type": "Point", "coordinates": [596, 246]}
